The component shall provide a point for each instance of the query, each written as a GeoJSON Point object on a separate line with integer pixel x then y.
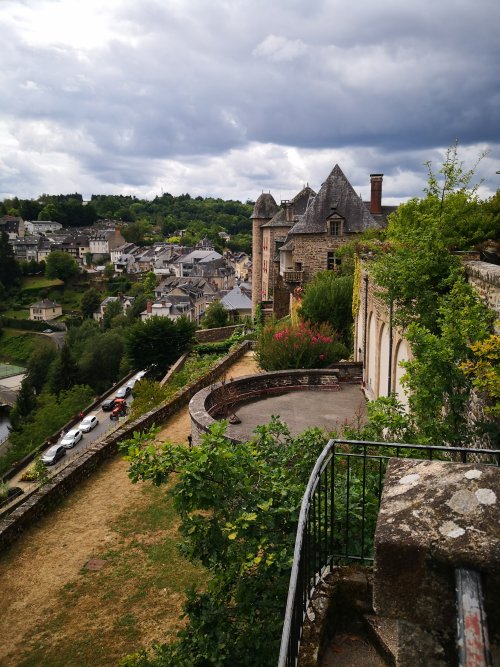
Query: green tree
{"type": "Point", "coordinates": [112, 310]}
{"type": "Point", "coordinates": [328, 299]}
{"type": "Point", "coordinates": [25, 404]}
{"type": "Point", "coordinates": [10, 270]}
{"type": "Point", "coordinates": [109, 271]}
{"type": "Point", "coordinates": [91, 300]}
{"type": "Point", "coordinates": [159, 341]}
{"type": "Point", "coordinates": [61, 265]}
{"type": "Point", "coordinates": [100, 364]}
{"type": "Point", "coordinates": [215, 316]}
{"type": "Point", "coordinates": [38, 366]}
{"type": "Point", "coordinates": [239, 505]}
{"type": "Point", "coordinates": [63, 373]}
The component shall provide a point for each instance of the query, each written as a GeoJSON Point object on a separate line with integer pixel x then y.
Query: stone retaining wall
{"type": "Point", "coordinates": [41, 501]}
{"type": "Point", "coordinates": [215, 400]}
{"type": "Point", "coordinates": [216, 335]}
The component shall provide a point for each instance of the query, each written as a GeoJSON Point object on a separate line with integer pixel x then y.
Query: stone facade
{"type": "Point", "coordinates": [302, 236]}
{"type": "Point", "coordinates": [486, 280]}
{"type": "Point", "coordinates": [378, 344]}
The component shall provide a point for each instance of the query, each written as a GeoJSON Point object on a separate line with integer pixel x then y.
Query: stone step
{"type": "Point", "coordinates": [352, 650]}
{"type": "Point", "coordinates": [383, 633]}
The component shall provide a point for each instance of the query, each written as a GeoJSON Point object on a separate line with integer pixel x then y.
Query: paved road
{"type": "Point", "coordinates": [104, 426]}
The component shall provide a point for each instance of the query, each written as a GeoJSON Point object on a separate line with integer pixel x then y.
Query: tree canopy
{"type": "Point", "coordinates": [239, 505]}
{"type": "Point", "coordinates": [159, 341]}
{"type": "Point", "coordinates": [61, 265]}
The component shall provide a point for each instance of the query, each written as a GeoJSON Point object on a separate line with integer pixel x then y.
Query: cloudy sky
{"type": "Point", "coordinates": [230, 98]}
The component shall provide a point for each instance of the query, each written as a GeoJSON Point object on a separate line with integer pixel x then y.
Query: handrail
{"type": "Point", "coordinates": [472, 631]}
{"type": "Point", "coordinates": [328, 533]}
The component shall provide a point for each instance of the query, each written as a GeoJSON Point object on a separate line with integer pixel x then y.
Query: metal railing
{"type": "Point", "coordinates": [339, 513]}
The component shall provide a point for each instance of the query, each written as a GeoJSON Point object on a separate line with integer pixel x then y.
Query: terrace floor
{"type": "Point", "coordinates": [304, 409]}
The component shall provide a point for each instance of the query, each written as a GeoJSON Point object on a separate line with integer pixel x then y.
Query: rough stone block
{"type": "Point", "coordinates": [435, 517]}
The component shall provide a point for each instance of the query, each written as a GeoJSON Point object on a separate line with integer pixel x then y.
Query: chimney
{"type": "Point", "coordinates": [376, 193]}
{"type": "Point", "coordinates": [149, 306]}
{"type": "Point", "coordinates": [288, 206]}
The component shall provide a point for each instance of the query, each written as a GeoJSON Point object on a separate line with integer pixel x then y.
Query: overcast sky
{"type": "Point", "coordinates": [229, 98]}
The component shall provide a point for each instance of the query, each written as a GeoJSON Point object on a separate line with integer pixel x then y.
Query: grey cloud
{"type": "Point", "coordinates": [193, 81]}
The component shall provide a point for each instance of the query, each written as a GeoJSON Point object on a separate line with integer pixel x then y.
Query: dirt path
{"type": "Point", "coordinates": [54, 611]}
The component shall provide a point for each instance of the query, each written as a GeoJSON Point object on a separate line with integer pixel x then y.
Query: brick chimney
{"type": "Point", "coordinates": [376, 193]}
{"type": "Point", "coordinates": [149, 306]}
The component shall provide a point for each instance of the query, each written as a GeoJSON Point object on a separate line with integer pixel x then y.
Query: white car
{"type": "Point", "coordinates": [71, 438]}
{"type": "Point", "coordinates": [136, 378]}
{"type": "Point", "coordinates": [88, 423]}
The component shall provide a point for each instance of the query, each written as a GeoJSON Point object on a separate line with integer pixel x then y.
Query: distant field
{"type": "Point", "coordinates": [40, 282]}
{"type": "Point", "coordinates": [17, 314]}
{"type": "Point", "coordinates": [8, 370]}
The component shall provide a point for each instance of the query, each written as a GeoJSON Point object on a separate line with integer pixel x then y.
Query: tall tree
{"type": "Point", "coordinates": [159, 341]}
{"type": "Point", "coordinates": [38, 366]}
{"type": "Point", "coordinates": [61, 265]}
{"type": "Point", "coordinates": [64, 372]}
{"type": "Point", "coordinates": [10, 271]}
{"type": "Point", "coordinates": [91, 300]}
{"type": "Point", "coordinates": [215, 316]}
{"type": "Point", "coordinates": [328, 298]}
{"type": "Point", "coordinates": [25, 404]}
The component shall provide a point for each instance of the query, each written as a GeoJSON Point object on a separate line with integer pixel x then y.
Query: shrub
{"type": "Point", "coordinates": [285, 345]}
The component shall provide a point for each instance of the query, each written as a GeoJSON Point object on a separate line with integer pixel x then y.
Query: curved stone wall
{"type": "Point", "coordinates": [212, 403]}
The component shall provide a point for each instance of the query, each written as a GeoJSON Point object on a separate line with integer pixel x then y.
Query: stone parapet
{"type": "Point", "coordinates": [217, 401]}
{"type": "Point", "coordinates": [435, 517]}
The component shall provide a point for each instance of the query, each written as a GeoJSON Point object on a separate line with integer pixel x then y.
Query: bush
{"type": "Point", "coordinates": [284, 345]}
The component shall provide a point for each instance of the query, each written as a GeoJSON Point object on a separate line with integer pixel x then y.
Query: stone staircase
{"type": "Point", "coordinates": [342, 629]}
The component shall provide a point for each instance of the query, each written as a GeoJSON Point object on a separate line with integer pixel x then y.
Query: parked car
{"type": "Point", "coordinates": [88, 423]}
{"type": "Point", "coordinates": [123, 392]}
{"type": "Point", "coordinates": [108, 404]}
{"type": "Point", "coordinates": [71, 438]}
{"type": "Point", "coordinates": [53, 454]}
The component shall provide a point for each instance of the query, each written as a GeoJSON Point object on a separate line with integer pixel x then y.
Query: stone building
{"type": "Point", "coordinates": [379, 344]}
{"type": "Point", "coordinates": [294, 241]}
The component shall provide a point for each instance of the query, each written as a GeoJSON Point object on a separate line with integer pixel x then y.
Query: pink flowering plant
{"type": "Point", "coordinates": [284, 345]}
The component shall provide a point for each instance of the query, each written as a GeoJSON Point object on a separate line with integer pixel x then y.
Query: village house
{"type": "Point", "coordinates": [12, 225]}
{"type": "Point", "coordinates": [42, 226]}
{"type": "Point", "coordinates": [104, 241]}
{"type": "Point", "coordinates": [238, 302]}
{"type": "Point", "coordinates": [126, 303]}
{"type": "Point", "coordinates": [45, 310]}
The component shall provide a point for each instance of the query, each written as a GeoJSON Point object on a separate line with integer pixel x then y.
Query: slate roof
{"type": "Point", "coordinates": [265, 207]}
{"type": "Point", "coordinates": [237, 299]}
{"type": "Point", "coordinates": [336, 189]}
{"type": "Point", "coordinates": [299, 202]}
{"type": "Point", "coordinates": [45, 303]}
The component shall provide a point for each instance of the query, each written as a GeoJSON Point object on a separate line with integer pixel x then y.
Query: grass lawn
{"type": "Point", "coordinates": [102, 615]}
{"type": "Point", "coordinates": [16, 345]}
{"type": "Point", "coordinates": [40, 282]}
{"type": "Point", "coordinates": [17, 314]}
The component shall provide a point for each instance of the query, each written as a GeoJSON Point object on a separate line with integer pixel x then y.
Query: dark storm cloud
{"type": "Point", "coordinates": [187, 81]}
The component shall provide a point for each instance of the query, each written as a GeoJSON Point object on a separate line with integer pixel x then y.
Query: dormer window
{"type": "Point", "coordinates": [335, 224]}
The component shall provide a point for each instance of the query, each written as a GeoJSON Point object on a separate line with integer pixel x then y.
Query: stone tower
{"type": "Point", "coordinates": [264, 209]}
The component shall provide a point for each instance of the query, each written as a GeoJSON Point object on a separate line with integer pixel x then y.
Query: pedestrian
{"type": "Point", "coordinates": [190, 441]}
{"type": "Point", "coordinates": [81, 415]}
